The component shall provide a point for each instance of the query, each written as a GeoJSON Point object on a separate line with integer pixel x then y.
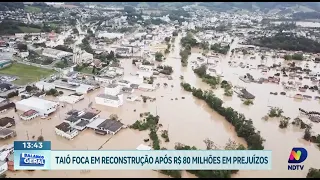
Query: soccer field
{"type": "Point", "coordinates": [26, 73]}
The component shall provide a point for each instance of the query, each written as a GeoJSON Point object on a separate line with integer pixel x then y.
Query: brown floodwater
{"type": "Point", "coordinates": [188, 121]}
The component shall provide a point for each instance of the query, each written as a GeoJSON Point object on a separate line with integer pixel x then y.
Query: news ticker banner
{"type": "Point", "coordinates": [31, 155]}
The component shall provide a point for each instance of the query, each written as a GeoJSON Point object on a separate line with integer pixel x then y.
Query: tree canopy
{"type": "Point", "coordinates": [288, 42]}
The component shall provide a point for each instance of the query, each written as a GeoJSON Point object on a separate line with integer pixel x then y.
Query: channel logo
{"type": "Point", "coordinates": [297, 156]}
{"type": "Point", "coordinates": [27, 159]}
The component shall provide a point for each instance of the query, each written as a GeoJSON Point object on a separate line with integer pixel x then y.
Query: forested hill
{"type": "Point", "coordinates": [223, 6]}
{"type": "Point", "coordinates": [11, 6]}
{"type": "Point", "coordinates": [289, 42]}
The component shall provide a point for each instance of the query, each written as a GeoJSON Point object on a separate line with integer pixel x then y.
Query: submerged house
{"type": "Point", "coordinates": [105, 126]}
{"type": "Point", "coordinates": [245, 94]}
{"type": "Point", "coordinates": [65, 130]}
{"type": "Point", "coordinates": [7, 122]}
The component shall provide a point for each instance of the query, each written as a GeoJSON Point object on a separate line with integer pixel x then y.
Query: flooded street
{"type": "Point", "coordinates": [188, 121]}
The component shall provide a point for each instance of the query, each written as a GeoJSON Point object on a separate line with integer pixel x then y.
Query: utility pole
{"type": "Point", "coordinates": [156, 111]}
{"type": "Point", "coordinates": [27, 135]}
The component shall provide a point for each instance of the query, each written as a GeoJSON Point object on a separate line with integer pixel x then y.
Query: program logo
{"type": "Point", "coordinates": [27, 159]}
{"type": "Point", "coordinates": [297, 156]}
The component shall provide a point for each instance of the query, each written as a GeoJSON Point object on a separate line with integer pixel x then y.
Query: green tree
{"type": "Point", "coordinates": [167, 39]}
{"type": "Point", "coordinates": [158, 56]}
{"type": "Point", "coordinates": [40, 138]}
{"type": "Point", "coordinates": [313, 173]}
{"type": "Point", "coordinates": [174, 33]}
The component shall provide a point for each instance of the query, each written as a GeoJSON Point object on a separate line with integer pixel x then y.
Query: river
{"type": "Point", "coordinates": [188, 121]}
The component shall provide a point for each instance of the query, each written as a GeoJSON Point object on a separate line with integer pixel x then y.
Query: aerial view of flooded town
{"type": "Point", "coordinates": [161, 75]}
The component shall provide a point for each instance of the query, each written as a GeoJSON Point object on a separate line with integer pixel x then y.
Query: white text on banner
{"type": "Point", "coordinates": [162, 160]}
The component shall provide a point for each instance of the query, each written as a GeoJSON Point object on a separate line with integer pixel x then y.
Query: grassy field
{"type": "Point", "coordinates": [29, 29]}
{"type": "Point", "coordinates": [32, 9]}
{"type": "Point", "coordinates": [86, 70]}
{"type": "Point", "coordinates": [26, 73]}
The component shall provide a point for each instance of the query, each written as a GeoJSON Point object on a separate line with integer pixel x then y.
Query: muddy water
{"type": "Point", "coordinates": [188, 121]}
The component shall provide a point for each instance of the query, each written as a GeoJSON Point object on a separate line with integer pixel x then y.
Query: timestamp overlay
{"type": "Point", "coordinates": [30, 155]}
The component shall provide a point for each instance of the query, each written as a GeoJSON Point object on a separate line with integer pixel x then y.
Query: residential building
{"type": "Point", "coordinates": [55, 54]}
{"type": "Point", "coordinates": [124, 83]}
{"type": "Point", "coordinates": [145, 68]}
{"type": "Point", "coordinates": [146, 87]}
{"type": "Point", "coordinates": [110, 35]}
{"type": "Point", "coordinates": [112, 89]}
{"type": "Point", "coordinates": [84, 89]}
{"type": "Point", "coordinates": [80, 56]}
{"type": "Point", "coordinates": [112, 96]}
{"type": "Point", "coordinates": [7, 105]}
{"type": "Point", "coordinates": [80, 119]}
{"type": "Point", "coordinates": [105, 79]}
{"type": "Point", "coordinates": [72, 98]}
{"type": "Point", "coordinates": [105, 126]}
{"type": "Point", "coordinates": [42, 106]}
{"type": "Point", "coordinates": [7, 122]}
{"type": "Point", "coordinates": [6, 133]}
{"type": "Point", "coordinates": [29, 115]}
{"type": "Point", "coordinates": [109, 100]}
{"type": "Point", "coordinates": [65, 130]}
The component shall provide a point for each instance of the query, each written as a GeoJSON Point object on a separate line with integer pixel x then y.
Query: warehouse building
{"type": "Point", "coordinates": [42, 106]}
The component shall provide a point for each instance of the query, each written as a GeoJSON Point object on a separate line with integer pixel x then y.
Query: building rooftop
{"type": "Point", "coordinates": [124, 81]}
{"type": "Point", "coordinates": [29, 113]}
{"type": "Point", "coordinates": [89, 115]}
{"type": "Point", "coordinates": [54, 52]}
{"type": "Point", "coordinates": [112, 85]}
{"type": "Point", "coordinates": [7, 106]}
{"type": "Point", "coordinates": [6, 120]}
{"type": "Point", "coordinates": [95, 123]}
{"type": "Point", "coordinates": [73, 112]}
{"type": "Point", "coordinates": [82, 123]}
{"type": "Point", "coordinates": [4, 132]}
{"type": "Point", "coordinates": [107, 96]}
{"type": "Point", "coordinates": [37, 103]}
{"type": "Point", "coordinates": [65, 127]}
{"type": "Point", "coordinates": [111, 125]}
{"type": "Point", "coordinates": [73, 118]}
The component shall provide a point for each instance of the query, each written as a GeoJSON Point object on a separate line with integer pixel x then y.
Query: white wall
{"type": "Point", "coordinates": [44, 85]}
{"type": "Point", "coordinates": [41, 110]}
{"type": "Point", "coordinates": [112, 91]}
{"type": "Point", "coordinates": [110, 102]}
{"type": "Point", "coordinates": [124, 84]}
{"type": "Point", "coordinates": [66, 135]}
{"type": "Point", "coordinates": [104, 80]}
{"type": "Point", "coordinates": [30, 117]}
